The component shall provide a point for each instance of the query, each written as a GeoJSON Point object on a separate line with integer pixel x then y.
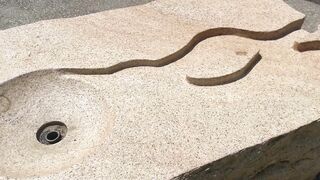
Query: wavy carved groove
{"type": "Point", "coordinates": [307, 46]}
{"type": "Point", "coordinates": [222, 31]}
{"type": "Point", "coordinates": [229, 78]}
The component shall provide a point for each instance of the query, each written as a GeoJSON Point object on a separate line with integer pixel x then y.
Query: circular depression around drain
{"type": "Point", "coordinates": [34, 102]}
{"type": "Point", "coordinates": [52, 132]}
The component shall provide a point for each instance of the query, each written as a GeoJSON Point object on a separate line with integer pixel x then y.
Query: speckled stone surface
{"type": "Point", "coordinates": [149, 122]}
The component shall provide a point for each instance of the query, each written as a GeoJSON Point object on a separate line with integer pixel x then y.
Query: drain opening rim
{"type": "Point", "coordinates": [51, 132]}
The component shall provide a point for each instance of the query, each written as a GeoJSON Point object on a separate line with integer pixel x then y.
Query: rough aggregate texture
{"type": "Point", "coordinates": [150, 122]}
{"type": "Point", "coordinates": [294, 155]}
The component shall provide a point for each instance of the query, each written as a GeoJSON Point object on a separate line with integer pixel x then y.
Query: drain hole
{"type": "Point", "coordinates": [52, 136]}
{"type": "Point", "coordinates": [52, 132]}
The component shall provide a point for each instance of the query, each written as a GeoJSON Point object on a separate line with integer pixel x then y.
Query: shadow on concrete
{"type": "Point", "coordinates": [295, 155]}
{"type": "Point", "coordinates": [19, 12]}
{"type": "Point", "coordinates": [311, 8]}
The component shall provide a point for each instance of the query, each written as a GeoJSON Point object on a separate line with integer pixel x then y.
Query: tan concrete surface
{"type": "Point", "coordinates": [150, 122]}
{"type": "Point", "coordinates": [294, 155]}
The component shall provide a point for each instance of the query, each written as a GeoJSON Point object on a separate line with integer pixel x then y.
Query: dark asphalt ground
{"type": "Point", "coordinates": [311, 8]}
{"type": "Point", "coordinates": [19, 12]}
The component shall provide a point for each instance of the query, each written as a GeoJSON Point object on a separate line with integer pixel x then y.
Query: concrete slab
{"type": "Point", "coordinates": [137, 116]}
{"type": "Point", "coordinates": [290, 156]}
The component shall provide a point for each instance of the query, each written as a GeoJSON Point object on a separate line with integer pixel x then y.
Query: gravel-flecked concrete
{"type": "Point", "coordinates": [290, 156]}
{"type": "Point", "coordinates": [19, 12]}
{"type": "Point", "coordinates": [150, 122]}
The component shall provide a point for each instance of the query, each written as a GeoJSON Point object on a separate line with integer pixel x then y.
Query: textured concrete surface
{"type": "Point", "coordinates": [97, 37]}
{"type": "Point", "coordinates": [294, 155]}
{"type": "Point", "coordinates": [158, 125]}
